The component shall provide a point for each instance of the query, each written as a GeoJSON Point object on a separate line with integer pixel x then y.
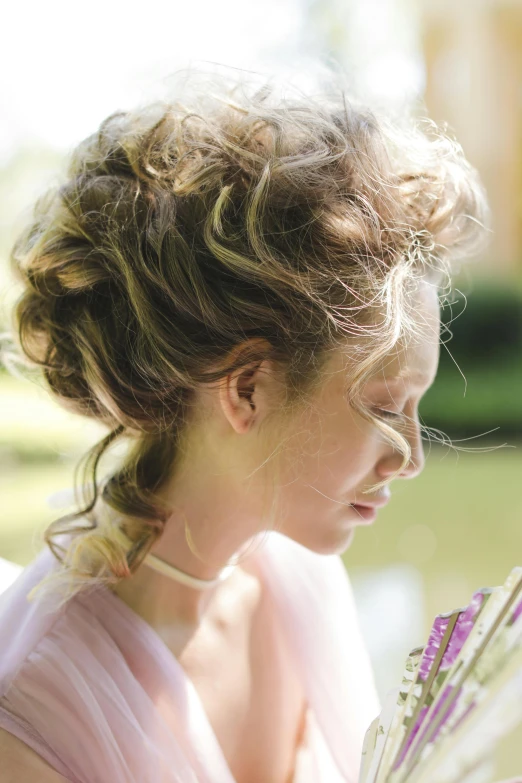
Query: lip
{"type": "Point", "coordinates": [367, 512]}
{"type": "Point", "coordinates": [377, 503]}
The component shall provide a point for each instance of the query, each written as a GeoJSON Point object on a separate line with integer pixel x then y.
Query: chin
{"type": "Point", "coordinates": [325, 542]}
{"type": "Point", "coordinates": [341, 544]}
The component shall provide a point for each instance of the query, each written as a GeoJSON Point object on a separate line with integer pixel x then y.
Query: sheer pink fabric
{"type": "Point", "coordinates": [82, 685]}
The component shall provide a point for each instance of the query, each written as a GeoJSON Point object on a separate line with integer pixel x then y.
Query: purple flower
{"type": "Point", "coordinates": [460, 633]}
{"type": "Point", "coordinates": [432, 647]}
{"type": "Point", "coordinates": [462, 630]}
{"type": "Point", "coordinates": [517, 612]}
{"type": "Point", "coordinates": [411, 737]}
{"type": "Point", "coordinates": [425, 728]}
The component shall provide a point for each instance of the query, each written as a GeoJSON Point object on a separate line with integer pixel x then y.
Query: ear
{"type": "Point", "coordinates": [245, 394]}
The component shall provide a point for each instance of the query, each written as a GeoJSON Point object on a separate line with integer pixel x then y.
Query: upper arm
{"type": "Point", "coordinates": [20, 763]}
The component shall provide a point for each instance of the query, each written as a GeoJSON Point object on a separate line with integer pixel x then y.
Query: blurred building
{"type": "Point", "coordinates": [473, 55]}
{"type": "Point", "coordinates": [463, 59]}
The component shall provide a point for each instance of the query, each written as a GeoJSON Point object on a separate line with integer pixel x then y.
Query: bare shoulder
{"type": "Point", "coordinates": [21, 763]}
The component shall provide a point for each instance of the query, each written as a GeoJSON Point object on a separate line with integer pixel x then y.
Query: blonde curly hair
{"type": "Point", "coordinates": [186, 227]}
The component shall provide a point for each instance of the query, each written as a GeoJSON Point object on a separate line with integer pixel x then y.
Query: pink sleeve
{"type": "Point", "coordinates": [96, 693]}
{"type": "Point", "coordinates": [23, 625]}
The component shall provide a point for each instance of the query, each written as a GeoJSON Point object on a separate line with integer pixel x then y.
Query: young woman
{"type": "Point", "coordinates": [245, 289]}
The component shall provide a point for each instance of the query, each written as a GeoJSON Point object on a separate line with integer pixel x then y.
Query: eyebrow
{"type": "Point", "coordinates": [418, 379]}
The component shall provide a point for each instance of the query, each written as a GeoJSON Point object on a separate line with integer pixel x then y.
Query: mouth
{"type": "Point", "coordinates": [367, 514]}
{"type": "Point", "coordinates": [368, 511]}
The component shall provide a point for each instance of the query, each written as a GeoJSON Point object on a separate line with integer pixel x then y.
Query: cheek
{"type": "Point", "coordinates": [332, 452]}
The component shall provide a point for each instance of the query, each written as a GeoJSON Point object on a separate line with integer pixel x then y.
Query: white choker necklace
{"type": "Point", "coordinates": [186, 579]}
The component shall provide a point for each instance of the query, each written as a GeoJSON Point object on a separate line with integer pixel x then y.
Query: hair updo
{"type": "Point", "coordinates": [186, 227]}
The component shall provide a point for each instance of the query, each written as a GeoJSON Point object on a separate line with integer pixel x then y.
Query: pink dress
{"type": "Point", "coordinates": [80, 685]}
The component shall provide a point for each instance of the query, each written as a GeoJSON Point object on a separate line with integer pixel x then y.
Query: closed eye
{"type": "Point", "coordinates": [386, 414]}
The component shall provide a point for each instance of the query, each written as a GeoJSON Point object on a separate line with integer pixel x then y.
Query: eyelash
{"type": "Point", "coordinates": [388, 414]}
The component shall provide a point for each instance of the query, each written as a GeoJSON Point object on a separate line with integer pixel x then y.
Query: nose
{"type": "Point", "coordinates": [391, 462]}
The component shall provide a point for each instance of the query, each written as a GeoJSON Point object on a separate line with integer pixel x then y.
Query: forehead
{"type": "Point", "coordinates": [413, 365]}
{"type": "Point", "coordinates": [413, 360]}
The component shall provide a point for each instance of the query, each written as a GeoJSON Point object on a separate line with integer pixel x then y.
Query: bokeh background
{"type": "Point", "coordinates": [64, 67]}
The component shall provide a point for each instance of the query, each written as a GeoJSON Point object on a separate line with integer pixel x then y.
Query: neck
{"type": "Point", "coordinates": [170, 571]}
{"type": "Point", "coordinates": [203, 535]}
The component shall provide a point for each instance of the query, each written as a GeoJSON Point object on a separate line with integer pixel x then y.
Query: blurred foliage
{"type": "Point", "coordinates": [479, 383]}
{"type": "Point", "coordinates": [487, 325]}
{"type": "Point", "coordinates": [35, 430]}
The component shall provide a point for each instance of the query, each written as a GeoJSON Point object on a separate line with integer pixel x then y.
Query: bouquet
{"type": "Point", "coordinates": [460, 694]}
